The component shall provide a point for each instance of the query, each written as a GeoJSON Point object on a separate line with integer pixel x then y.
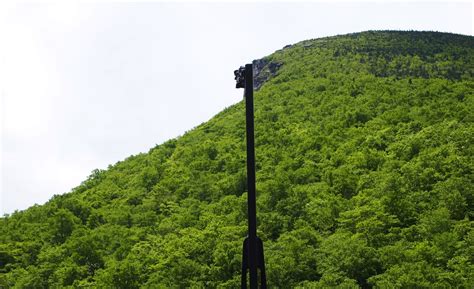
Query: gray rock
{"type": "Point", "coordinates": [263, 70]}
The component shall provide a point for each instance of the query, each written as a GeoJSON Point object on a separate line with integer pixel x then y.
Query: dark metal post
{"type": "Point", "coordinates": [252, 256]}
{"type": "Point", "coordinates": [252, 210]}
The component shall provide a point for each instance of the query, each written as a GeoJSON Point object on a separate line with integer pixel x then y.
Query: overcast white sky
{"type": "Point", "coordinates": [86, 85]}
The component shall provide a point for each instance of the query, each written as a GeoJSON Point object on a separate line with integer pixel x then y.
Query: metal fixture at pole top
{"type": "Point", "coordinates": [252, 252]}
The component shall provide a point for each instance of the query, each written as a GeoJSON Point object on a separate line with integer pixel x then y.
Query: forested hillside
{"type": "Point", "coordinates": [364, 148]}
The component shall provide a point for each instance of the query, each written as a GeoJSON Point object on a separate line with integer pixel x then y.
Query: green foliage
{"type": "Point", "coordinates": [364, 179]}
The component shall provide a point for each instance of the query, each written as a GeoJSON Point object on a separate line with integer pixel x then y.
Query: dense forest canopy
{"type": "Point", "coordinates": [364, 179]}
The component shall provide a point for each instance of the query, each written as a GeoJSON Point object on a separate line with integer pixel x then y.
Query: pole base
{"type": "Point", "coordinates": [260, 265]}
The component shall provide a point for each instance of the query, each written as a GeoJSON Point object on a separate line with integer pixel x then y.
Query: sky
{"type": "Point", "coordinates": [84, 85]}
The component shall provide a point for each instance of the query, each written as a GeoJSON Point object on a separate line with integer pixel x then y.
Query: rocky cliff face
{"type": "Point", "coordinates": [263, 70]}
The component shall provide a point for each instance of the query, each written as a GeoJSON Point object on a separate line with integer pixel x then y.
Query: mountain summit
{"type": "Point", "coordinates": [364, 179]}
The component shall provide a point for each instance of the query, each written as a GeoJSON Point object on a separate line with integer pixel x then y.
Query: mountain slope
{"type": "Point", "coordinates": [364, 178]}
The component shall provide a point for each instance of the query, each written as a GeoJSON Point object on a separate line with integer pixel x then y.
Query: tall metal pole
{"type": "Point", "coordinates": [252, 207]}
{"type": "Point", "coordinates": [252, 255]}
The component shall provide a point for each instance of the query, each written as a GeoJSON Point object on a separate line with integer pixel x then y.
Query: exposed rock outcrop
{"type": "Point", "coordinates": [263, 70]}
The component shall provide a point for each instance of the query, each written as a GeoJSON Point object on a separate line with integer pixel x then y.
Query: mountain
{"type": "Point", "coordinates": [364, 179]}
